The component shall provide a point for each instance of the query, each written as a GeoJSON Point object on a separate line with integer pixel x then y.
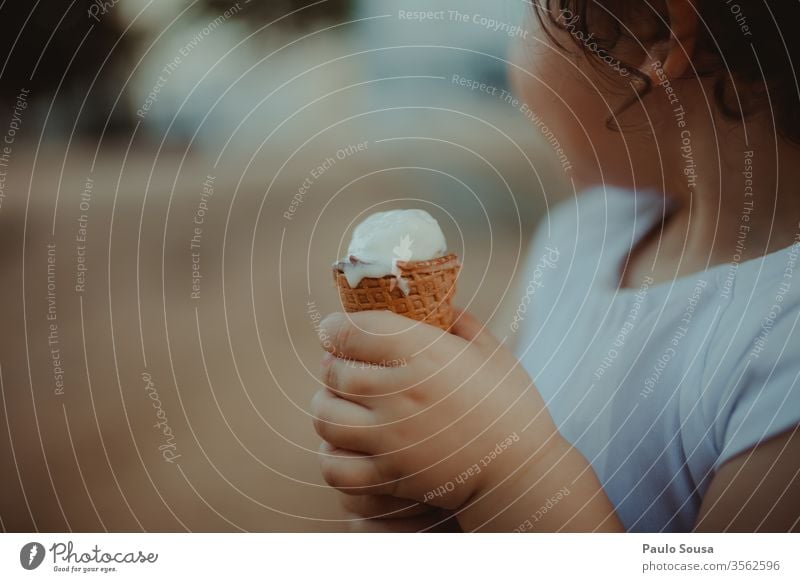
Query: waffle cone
{"type": "Point", "coordinates": [431, 286]}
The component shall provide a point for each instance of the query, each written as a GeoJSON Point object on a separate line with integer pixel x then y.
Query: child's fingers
{"type": "Point", "coordinates": [359, 382]}
{"type": "Point", "coordinates": [467, 327]}
{"type": "Point", "coordinates": [343, 423]}
{"type": "Point", "coordinates": [383, 506]}
{"type": "Point", "coordinates": [438, 522]}
{"type": "Point", "coordinates": [380, 337]}
{"type": "Point", "coordinates": [353, 473]}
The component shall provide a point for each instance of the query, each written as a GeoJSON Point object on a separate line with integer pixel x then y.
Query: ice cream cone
{"type": "Point", "coordinates": [431, 286]}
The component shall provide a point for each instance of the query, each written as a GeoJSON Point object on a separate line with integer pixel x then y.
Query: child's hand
{"type": "Point", "coordinates": [378, 513]}
{"type": "Point", "coordinates": [416, 413]}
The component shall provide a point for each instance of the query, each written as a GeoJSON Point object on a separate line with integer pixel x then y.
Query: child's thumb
{"type": "Point", "coordinates": [469, 328]}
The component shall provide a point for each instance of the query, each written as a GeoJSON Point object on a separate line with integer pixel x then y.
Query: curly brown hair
{"type": "Point", "coordinates": [750, 48]}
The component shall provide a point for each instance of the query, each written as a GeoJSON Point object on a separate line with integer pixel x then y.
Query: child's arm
{"type": "Point", "coordinates": [383, 514]}
{"type": "Point", "coordinates": [455, 422]}
{"type": "Point", "coordinates": [559, 493]}
{"type": "Point", "coordinates": [758, 490]}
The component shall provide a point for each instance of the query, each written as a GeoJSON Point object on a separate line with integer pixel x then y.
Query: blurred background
{"type": "Point", "coordinates": [166, 235]}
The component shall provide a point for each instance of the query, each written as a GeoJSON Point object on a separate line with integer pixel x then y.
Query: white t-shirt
{"type": "Point", "coordinates": [660, 385]}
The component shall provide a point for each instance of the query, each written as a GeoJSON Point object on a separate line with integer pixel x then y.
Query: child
{"type": "Point", "coordinates": [655, 384]}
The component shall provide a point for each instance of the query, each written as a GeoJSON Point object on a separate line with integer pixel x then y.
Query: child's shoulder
{"type": "Point", "coordinates": [601, 211]}
{"type": "Point", "coordinates": [596, 225]}
{"type": "Point", "coordinates": [750, 386]}
{"type": "Point", "coordinates": [762, 295]}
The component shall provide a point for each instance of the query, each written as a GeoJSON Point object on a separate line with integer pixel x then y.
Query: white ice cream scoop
{"type": "Point", "coordinates": [385, 238]}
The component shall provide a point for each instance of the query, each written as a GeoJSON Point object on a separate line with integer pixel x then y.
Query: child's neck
{"type": "Point", "coordinates": [720, 222]}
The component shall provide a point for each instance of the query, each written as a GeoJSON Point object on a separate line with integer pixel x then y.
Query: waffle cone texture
{"type": "Point", "coordinates": [431, 285]}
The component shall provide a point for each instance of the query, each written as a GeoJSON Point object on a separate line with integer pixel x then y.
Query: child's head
{"type": "Point", "coordinates": [613, 74]}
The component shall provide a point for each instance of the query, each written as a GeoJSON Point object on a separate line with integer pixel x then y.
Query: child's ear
{"type": "Point", "coordinates": [674, 55]}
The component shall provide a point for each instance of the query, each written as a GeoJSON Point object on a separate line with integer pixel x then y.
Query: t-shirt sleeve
{"type": "Point", "coordinates": [761, 398]}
